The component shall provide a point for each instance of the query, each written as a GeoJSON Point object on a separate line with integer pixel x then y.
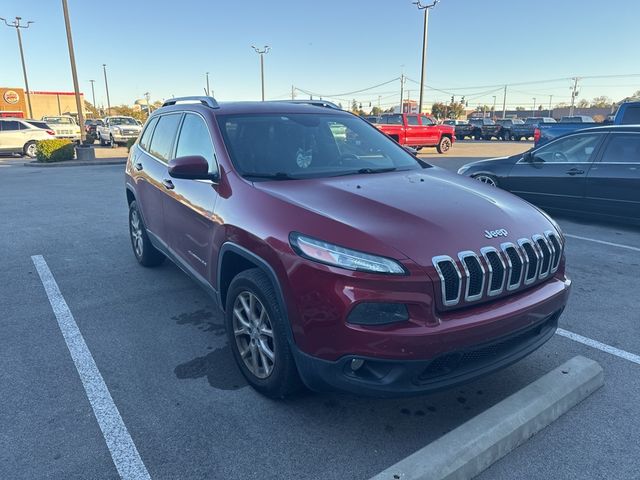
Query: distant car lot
{"type": "Point", "coordinates": [160, 347]}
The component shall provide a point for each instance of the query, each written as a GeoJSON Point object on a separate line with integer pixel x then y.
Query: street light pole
{"type": "Point", "coordinates": [208, 91]}
{"type": "Point", "coordinates": [106, 85]}
{"type": "Point", "coordinates": [93, 94]}
{"type": "Point", "coordinates": [147, 95]}
{"type": "Point", "coordinates": [262, 52]}
{"type": "Point", "coordinates": [423, 75]}
{"type": "Point", "coordinates": [74, 74]}
{"type": "Point", "coordinates": [16, 24]}
{"type": "Point", "coordinates": [550, 98]}
{"type": "Point", "coordinates": [534, 107]}
{"type": "Point", "coordinates": [493, 110]}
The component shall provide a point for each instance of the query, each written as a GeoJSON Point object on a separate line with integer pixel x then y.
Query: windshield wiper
{"type": "Point", "coordinates": [377, 170]}
{"type": "Point", "coordinates": [271, 176]}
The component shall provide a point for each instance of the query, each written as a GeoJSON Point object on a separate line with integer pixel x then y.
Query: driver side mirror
{"type": "Point", "coordinates": [191, 167]}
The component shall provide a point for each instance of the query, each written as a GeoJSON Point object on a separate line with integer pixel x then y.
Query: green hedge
{"type": "Point", "coordinates": [56, 150]}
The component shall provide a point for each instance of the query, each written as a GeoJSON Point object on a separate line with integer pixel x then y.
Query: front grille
{"type": "Point", "coordinates": [495, 271]}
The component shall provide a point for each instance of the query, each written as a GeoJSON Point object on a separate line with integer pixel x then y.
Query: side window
{"type": "Point", "coordinates": [164, 135]}
{"type": "Point", "coordinates": [622, 148]}
{"type": "Point", "coordinates": [412, 120]}
{"type": "Point", "coordinates": [631, 116]}
{"type": "Point", "coordinates": [195, 140]}
{"type": "Point", "coordinates": [573, 149]}
{"type": "Point", "coordinates": [145, 139]}
{"type": "Point", "coordinates": [10, 126]}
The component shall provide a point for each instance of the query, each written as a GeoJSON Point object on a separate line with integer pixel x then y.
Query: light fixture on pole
{"type": "Point", "coordinates": [147, 96]}
{"type": "Point", "coordinates": [17, 25]}
{"type": "Point", "coordinates": [262, 53]}
{"type": "Point", "coordinates": [106, 86]}
{"type": "Point", "coordinates": [74, 73]}
{"type": "Point", "coordinates": [423, 75]}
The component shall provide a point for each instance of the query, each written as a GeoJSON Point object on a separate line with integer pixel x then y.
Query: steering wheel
{"type": "Point", "coordinates": [560, 157]}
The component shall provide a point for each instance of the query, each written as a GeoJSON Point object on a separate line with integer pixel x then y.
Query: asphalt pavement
{"type": "Point", "coordinates": [159, 345]}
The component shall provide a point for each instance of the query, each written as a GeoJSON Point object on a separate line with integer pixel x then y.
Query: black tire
{"type": "Point", "coordinates": [444, 145]}
{"type": "Point", "coordinates": [29, 149]}
{"type": "Point", "coordinates": [147, 255]}
{"type": "Point", "coordinates": [506, 136]}
{"type": "Point", "coordinates": [477, 136]}
{"type": "Point", "coordinates": [102, 142]}
{"type": "Point", "coordinates": [283, 379]}
{"type": "Point", "coordinates": [487, 179]}
{"type": "Point", "coordinates": [459, 137]}
{"type": "Point", "coordinates": [112, 143]}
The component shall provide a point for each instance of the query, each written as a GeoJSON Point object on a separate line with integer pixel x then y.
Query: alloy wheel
{"type": "Point", "coordinates": [253, 332]}
{"type": "Point", "coordinates": [136, 233]}
{"type": "Point", "coordinates": [486, 179]}
{"type": "Point", "coordinates": [31, 150]}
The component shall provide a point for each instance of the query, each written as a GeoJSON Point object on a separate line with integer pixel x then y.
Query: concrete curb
{"type": "Point", "coordinates": [472, 447]}
{"type": "Point", "coordinates": [76, 163]}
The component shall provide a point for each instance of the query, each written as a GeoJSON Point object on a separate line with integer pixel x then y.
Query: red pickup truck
{"type": "Point", "coordinates": [417, 131]}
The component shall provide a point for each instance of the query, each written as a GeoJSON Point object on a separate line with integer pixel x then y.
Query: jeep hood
{"type": "Point", "coordinates": [419, 213]}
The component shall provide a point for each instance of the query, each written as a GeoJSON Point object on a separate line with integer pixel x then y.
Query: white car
{"type": "Point", "coordinates": [118, 130]}
{"type": "Point", "coordinates": [64, 126]}
{"type": "Point", "coordinates": [18, 135]}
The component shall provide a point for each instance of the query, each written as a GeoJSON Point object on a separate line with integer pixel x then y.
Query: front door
{"type": "Point", "coordinates": [11, 138]}
{"type": "Point", "coordinates": [189, 204]}
{"type": "Point", "coordinates": [554, 175]}
{"type": "Point", "coordinates": [414, 131]}
{"type": "Point", "coordinates": [431, 131]}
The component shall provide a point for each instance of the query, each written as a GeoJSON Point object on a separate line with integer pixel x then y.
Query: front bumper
{"type": "Point", "coordinates": [124, 138]}
{"type": "Point", "coordinates": [392, 378]}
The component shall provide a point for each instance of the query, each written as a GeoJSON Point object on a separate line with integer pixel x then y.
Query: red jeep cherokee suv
{"type": "Point", "coordinates": [340, 259]}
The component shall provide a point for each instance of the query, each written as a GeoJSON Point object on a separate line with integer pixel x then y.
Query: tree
{"type": "Point", "coordinates": [601, 102]}
{"type": "Point", "coordinates": [456, 110]}
{"type": "Point", "coordinates": [520, 109]}
{"type": "Point", "coordinates": [127, 111]}
{"type": "Point", "coordinates": [583, 103]}
{"type": "Point", "coordinates": [439, 110]}
{"type": "Point", "coordinates": [376, 111]}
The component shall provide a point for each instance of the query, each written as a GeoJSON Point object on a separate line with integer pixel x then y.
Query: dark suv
{"type": "Point", "coordinates": [340, 259]}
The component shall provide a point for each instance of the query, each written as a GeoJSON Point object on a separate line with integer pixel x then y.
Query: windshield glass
{"type": "Point", "coordinates": [122, 121]}
{"type": "Point", "coordinates": [58, 120]}
{"type": "Point", "coordinates": [532, 120]}
{"type": "Point", "coordinates": [309, 145]}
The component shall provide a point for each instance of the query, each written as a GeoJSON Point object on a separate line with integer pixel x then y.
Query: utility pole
{"type": "Point", "coordinates": [262, 53]}
{"type": "Point", "coordinates": [423, 75]}
{"type": "Point", "coordinates": [550, 98]}
{"type": "Point", "coordinates": [293, 92]}
{"type": "Point", "coordinates": [74, 73]}
{"type": "Point", "coordinates": [401, 92]}
{"type": "Point", "coordinates": [93, 94]}
{"type": "Point", "coordinates": [208, 91]}
{"type": "Point", "coordinates": [17, 25]}
{"type": "Point", "coordinates": [106, 85]}
{"type": "Point", "coordinates": [534, 107]}
{"type": "Point", "coordinates": [574, 94]}
{"type": "Point", "coordinates": [504, 103]}
{"type": "Point", "coordinates": [493, 110]}
{"type": "Point", "coordinates": [147, 96]}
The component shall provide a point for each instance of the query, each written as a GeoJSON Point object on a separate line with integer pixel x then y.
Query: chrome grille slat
{"type": "Point", "coordinates": [496, 270]}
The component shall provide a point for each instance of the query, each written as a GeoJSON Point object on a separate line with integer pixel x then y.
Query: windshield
{"type": "Point", "coordinates": [532, 120]}
{"type": "Point", "coordinates": [122, 121]}
{"type": "Point", "coordinates": [309, 145]}
{"type": "Point", "coordinates": [58, 120]}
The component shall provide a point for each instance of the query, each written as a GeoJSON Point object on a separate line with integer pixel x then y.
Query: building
{"type": "Point", "coordinates": [13, 103]}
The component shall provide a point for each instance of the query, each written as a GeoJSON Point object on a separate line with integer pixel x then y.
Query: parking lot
{"type": "Point", "coordinates": [159, 344]}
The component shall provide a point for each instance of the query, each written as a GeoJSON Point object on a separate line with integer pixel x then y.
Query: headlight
{"type": "Point", "coordinates": [116, 129]}
{"type": "Point", "coordinates": [330, 254]}
{"type": "Point", "coordinates": [463, 169]}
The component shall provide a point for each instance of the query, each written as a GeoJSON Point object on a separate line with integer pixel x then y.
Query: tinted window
{"type": "Point", "coordinates": [309, 145]}
{"type": "Point", "coordinates": [39, 125]}
{"type": "Point", "coordinates": [427, 121]}
{"type": "Point", "coordinates": [392, 119]}
{"type": "Point", "coordinates": [573, 149]}
{"type": "Point", "coordinates": [622, 148]}
{"type": "Point", "coordinates": [146, 135]}
{"type": "Point", "coordinates": [412, 120]}
{"type": "Point", "coordinates": [195, 140]}
{"type": "Point", "coordinates": [631, 116]}
{"type": "Point", "coordinates": [10, 125]}
{"type": "Point", "coordinates": [163, 136]}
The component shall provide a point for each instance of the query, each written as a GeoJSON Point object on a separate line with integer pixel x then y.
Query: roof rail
{"type": "Point", "coordinates": [208, 101]}
{"type": "Point", "coordinates": [317, 103]}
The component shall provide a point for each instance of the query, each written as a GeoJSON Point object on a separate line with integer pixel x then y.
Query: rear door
{"type": "Point", "coordinates": [189, 204]}
{"type": "Point", "coordinates": [613, 182]}
{"type": "Point", "coordinates": [554, 175]}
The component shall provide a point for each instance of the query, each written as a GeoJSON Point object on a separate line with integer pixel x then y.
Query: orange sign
{"type": "Point", "coordinates": [11, 97]}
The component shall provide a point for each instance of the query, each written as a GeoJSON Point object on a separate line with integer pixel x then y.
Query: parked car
{"type": "Point", "coordinates": [118, 130]}
{"type": "Point", "coordinates": [628, 114]}
{"type": "Point", "coordinates": [528, 128]}
{"type": "Point", "coordinates": [372, 119]}
{"type": "Point", "coordinates": [506, 125]}
{"type": "Point", "coordinates": [577, 119]}
{"type": "Point", "coordinates": [462, 128]}
{"type": "Point", "coordinates": [417, 131]}
{"type": "Point", "coordinates": [485, 129]}
{"type": "Point", "coordinates": [342, 265]}
{"type": "Point", "coordinates": [65, 126]}
{"type": "Point", "coordinates": [19, 135]}
{"type": "Point", "coordinates": [90, 126]}
{"type": "Point", "coordinates": [595, 171]}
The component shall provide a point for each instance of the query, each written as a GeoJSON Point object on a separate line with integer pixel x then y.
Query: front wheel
{"type": "Point", "coordinates": [30, 149]}
{"type": "Point", "coordinates": [487, 179]}
{"type": "Point", "coordinates": [444, 145]}
{"type": "Point", "coordinates": [257, 333]}
{"type": "Point", "coordinates": [144, 251]}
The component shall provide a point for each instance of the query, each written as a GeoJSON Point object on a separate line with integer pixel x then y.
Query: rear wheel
{"type": "Point", "coordinates": [146, 254]}
{"type": "Point", "coordinates": [257, 335]}
{"type": "Point", "coordinates": [444, 145]}
{"type": "Point", "coordinates": [30, 149]}
{"type": "Point", "coordinates": [487, 179]}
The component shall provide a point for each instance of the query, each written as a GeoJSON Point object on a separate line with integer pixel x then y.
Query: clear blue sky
{"type": "Point", "coordinates": [329, 47]}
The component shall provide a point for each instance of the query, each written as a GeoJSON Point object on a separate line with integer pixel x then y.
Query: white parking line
{"type": "Point", "coordinates": [611, 244]}
{"type": "Point", "coordinates": [123, 451]}
{"type": "Point", "coordinates": [632, 357]}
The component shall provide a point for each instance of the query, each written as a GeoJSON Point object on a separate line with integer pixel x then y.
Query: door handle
{"type": "Point", "coordinates": [575, 171]}
{"type": "Point", "coordinates": [138, 166]}
{"type": "Point", "coordinates": [168, 184]}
